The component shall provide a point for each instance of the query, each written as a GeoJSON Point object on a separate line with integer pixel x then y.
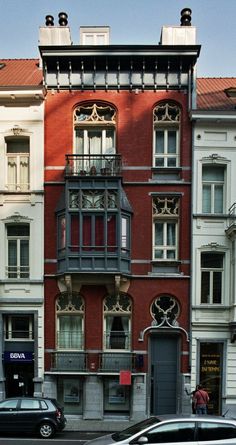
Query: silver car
{"type": "Point", "coordinates": [173, 430]}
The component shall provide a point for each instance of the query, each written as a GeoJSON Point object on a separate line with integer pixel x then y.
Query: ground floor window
{"type": "Point", "coordinates": [116, 397]}
{"type": "Point", "coordinates": [69, 395]}
{"type": "Point", "coordinates": [210, 375]}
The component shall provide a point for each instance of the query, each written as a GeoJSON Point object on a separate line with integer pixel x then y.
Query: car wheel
{"type": "Point", "coordinates": [46, 430]}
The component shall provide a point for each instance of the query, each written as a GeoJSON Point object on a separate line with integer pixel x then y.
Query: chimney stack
{"type": "Point", "coordinates": [185, 34]}
{"type": "Point", "coordinates": [55, 35]}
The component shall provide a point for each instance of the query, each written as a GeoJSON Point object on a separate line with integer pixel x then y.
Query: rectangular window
{"type": "Point", "coordinates": [18, 250]}
{"type": "Point", "coordinates": [17, 149]}
{"type": "Point", "coordinates": [165, 228]}
{"type": "Point", "coordinates": [212, 189]}
{"type": "Point", "coordinates": [18, 327]}
{"type": "Point", "coordinates": [117, 333]}
{"type": "Point", "coordinates": [166, 148]}
{"type": "Point", "coordinates": [116, 396]}
{"type": "Point", "coordinates": [211, 277]}
{"type": "Point", "coordinates": [165, 240]}
{"type": "Point", "coordinates": [69, 335]}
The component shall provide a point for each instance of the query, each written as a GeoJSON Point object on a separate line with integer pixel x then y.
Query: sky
{"type": "Point", "coordinates": [131, 22]}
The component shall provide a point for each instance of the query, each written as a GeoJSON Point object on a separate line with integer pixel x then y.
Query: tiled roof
{"type": "Point", "coordinates": [211, 93]}
{"type": "Point", "coordinates": [20, 72]}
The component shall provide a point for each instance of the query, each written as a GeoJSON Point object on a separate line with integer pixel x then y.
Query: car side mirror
{"type": "Point", "coordinates": [142, 440]}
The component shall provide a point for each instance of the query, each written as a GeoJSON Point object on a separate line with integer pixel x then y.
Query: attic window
{"type": "Point", "coordinates": [230, 92]}
{"type": "Point", "coordinates": [2, 65]}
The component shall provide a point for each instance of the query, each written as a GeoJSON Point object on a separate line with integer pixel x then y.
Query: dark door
{"type": "Point", "coordinates": [19, 379]}
{"type": "Point", "coordinates": [164, 374]}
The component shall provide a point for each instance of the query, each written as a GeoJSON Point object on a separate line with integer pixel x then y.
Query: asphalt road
{"type": "Point", "coordinates": [63, 438]}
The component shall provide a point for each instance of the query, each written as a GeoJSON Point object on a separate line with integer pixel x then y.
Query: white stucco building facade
{"type": "Point", "coordinates": [213, 343]}
{"type": "Point", "coordinates": [21, 228]}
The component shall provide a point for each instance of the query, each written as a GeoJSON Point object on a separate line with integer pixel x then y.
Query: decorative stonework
{"type": "Point", "coordinates": [94, 114]}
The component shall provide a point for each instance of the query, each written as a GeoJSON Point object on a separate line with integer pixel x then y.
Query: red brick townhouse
{"type": "Point", "coordinates": [117, 220]}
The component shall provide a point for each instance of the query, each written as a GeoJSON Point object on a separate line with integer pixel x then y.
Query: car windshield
{"type": "Point", "coordinates": [125, 434]}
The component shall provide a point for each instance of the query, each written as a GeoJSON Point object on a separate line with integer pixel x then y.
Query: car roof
{"type": "Point", "coordinates": [183, 417]}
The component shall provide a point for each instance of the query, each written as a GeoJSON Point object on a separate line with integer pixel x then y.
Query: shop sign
{"type": "Point", "coordinates": [18, 356]}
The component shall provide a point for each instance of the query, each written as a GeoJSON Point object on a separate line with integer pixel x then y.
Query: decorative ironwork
{"type": "Point", "coordinates": [93, 199]}
{"type": "Point", "coordinates": [165, 206]}
{"type": "Point", "coordinates": [120, 303]}
{"type": "Point", "coordinates": [165, 311]}
{"type": "Point", "coordinates": [95, 114]}
{"type": "Point", "coordinates": [167, 113]}
{"type": "Point", "coordinates": [67, 302]}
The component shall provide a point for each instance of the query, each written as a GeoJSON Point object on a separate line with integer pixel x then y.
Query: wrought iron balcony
{"type": "Point", "coordinates": [68, 361]}
{"type": "Point", "coordinates": [93, 165]}
{"type": "Point", "coordinates": [116, 362]}
{"type": "Point", "coordinates": [231, 226]}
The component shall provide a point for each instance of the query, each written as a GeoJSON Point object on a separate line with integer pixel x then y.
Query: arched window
{"type": "Point", "coordinates": [166, 122]}
{"type": "Point", "coordinates": [117, 322]}
{"type": "Point", "coordinates": [94, 129]}
{"type": "Point", "coordinates": [70, 318]}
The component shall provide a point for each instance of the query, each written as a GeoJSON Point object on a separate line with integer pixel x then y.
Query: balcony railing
{"type": "Point", "coordinates": [116, 362]}
{"type": "Point", "coordinates": [117, 340]}
{"type": "Point", "coordinates": [68, 361]}
{"type": "Point", "coordinates": [232, 215]}
{"type": "Point", "coordinates": [93, 165]}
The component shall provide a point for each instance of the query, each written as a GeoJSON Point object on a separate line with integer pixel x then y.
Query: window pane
{"type": "Point", "coordinates": [18, 230]}
{"type": "Point", "coordinates": [212, 260]}
{"type": "Point", "coordinates": [206, 199]}
{"type": "Point", "coordinates": [159, 162]}
{"type": "Point", "coordinates": [159, 141]}
{"type": "Point", "coordinates": [171, 240]}
{"type": "Point", "coordinates": [79, 141]}
{"type": "Point", "coordinates": [218, 204]}
{"type": "Point", "coordinates": [213, 174]}
{"type": "Point", "coordinates": [159, 237]}
{"type": "Point", "coordinates": [205, 287]}
{"type": "Point", "coordinates": [18, 145]}
{"type": "Point", "coordinates": [110, 145]}
{"type": "Point", "coordinates": [217, 282]}
{"type": "Point", "coordinates": [158, 254]}
{"type": "Point", "coordinates": [95, 141]}
{"type": "Point", "coordinates": [171, 162]}
{"type": "Point", "coordinates": [28, 404]}
{"type": "Point", "coordinates": [171, 141]}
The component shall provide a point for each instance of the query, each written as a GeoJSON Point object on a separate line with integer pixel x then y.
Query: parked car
{"type": "Point", "coordinates": [31, 415]}
{"type": "Point", "coordinates": [189, 430]}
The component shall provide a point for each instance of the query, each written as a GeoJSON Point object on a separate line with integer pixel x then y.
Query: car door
{"type": "Point", "coordinates": [29, 414]}
{"type": "Point", "coordinates": [172, 433]}
{"type": "Point", "coordinates": [8, 415]}
{"type": "Point", "coordinates": [216, 433]}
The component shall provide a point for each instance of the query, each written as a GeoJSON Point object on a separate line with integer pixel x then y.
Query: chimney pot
{"type": "Point", "coordinates": [63, 19]}
{"type": "Point", "coordinates": [49, 20]}
{"type": "Point", "coordinates": [186, 18]}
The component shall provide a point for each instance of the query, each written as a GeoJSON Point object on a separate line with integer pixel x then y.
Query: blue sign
{"type": "Point", "coordinates": [23, 357]}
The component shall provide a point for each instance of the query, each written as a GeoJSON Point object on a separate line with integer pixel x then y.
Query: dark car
{"type": "Point", "coordinates": [175, 430]}
{"type": "Point", "coordinates": [38, 415]}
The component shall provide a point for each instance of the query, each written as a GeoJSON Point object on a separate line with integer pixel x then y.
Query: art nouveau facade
{"type": "Point", "coordinates": [21, 228]}
{"type": "Point", "coordinates": [213, 248]}
{"type": "Point", "coordinates": [117, 222]}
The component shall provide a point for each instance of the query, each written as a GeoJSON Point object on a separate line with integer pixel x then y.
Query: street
{"type": "Point", "coordinates": [75, 437]}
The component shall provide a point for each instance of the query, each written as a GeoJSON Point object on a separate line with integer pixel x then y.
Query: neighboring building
{"type": "Point", "coordinates": [213, 242]}
{"type": "Point", "coordinates": [117, 221]}
{"type": "Point", "coordinates": [21, 228]}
